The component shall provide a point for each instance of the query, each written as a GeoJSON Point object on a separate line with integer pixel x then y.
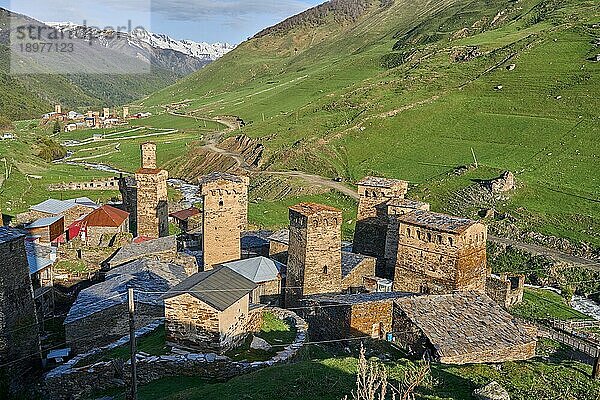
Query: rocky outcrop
{"type": "Point", "coordinates": [504, 183]}
{"type": "Point", "coordinates": [491, 391]}
{"type": "Point", "coordinates": [465, 54]}
{"type": "Point", "coordinates": [250, 149]}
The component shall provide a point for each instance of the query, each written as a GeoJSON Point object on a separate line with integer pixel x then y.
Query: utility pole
{"type": "Point", "coordinates": [474, 158]}
{"type": "Point", "coordinates": [596, 370]}
{"type": "Point", "coordinates": [132, 344]}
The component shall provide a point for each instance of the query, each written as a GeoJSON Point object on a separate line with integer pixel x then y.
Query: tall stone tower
{"type": "Point", "coordinates": [315, 251]}
{"type": "Point", "coordinates": [152, 200]}
{"type": "Point", "coordinates": [225, 217]}
{"type": "Point", "coordinates": [372, 218]}
{"type": "Point", "coordinates": [125, 112]}
{"type": "Point", "coordinates": [19, 335]}
{"type": "Point", "coordinates": [148, 151]}
{"type": "Point", "coordinates": [106, 112]}
{"type": "Point", "coordinates": [58, 109]}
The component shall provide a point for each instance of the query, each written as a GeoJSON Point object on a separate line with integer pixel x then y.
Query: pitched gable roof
{"type": "Point", "coordinates": [463, 323]}
{"type": "Point", "coordinates": [442, 222]}
{"type": "Point", "coordinates": [106, 216]}
{"type": "Point", "coordinates": [219, 288]}
{"type": "Point", "coordinates": [257, 269]}
{"type": "Point", "coordinates": [53, 206]}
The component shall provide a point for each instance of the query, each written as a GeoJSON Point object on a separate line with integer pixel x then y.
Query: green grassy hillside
{"type": "Point", "coordinates": [407, 88]}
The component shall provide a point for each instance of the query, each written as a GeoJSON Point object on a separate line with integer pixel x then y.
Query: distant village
{"type": "Point", "coordinates": [73, 120]}
{"type": "Point", "coordinates": [411, 277]}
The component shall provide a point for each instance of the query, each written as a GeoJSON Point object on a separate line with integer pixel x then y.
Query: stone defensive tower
{"type": "Point", "coordinates": [148, 151]}
{"type": "Point", "coordinates": [315, 253]}
{"type": "Point", "coordinates": [372, 218]}
{"type": "Point", "coordinates": [224, 217]}
{"type": "Point", "coordinates": [19, 335]}
{"type": "Point", "coordinates": [152, 201]}
{"type": "Point", "coordinates": [125, 112]}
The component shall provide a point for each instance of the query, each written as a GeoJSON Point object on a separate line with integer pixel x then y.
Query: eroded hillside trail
{"type": "Point", "coordinates": [216, 137]}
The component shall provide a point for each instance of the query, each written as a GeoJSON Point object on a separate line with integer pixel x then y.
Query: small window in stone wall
{"type": "Point", "coordinates": [325, 269]}
{"type": "Point", "coordinates": [439, 239]}
{"type": "Point", "coordinates": [408, 232]}
{"type": "Point", "coordinates": [450, 241]}
{"type": "Point", "coordinates": [428, 237]}
{"type": "Point", "coordinates": [221, 203]}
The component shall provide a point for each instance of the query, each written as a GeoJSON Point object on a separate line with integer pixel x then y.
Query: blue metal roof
{"type": "Point", "coordinates": [43, 222]}
{"type": "Point", "coordinates": [256, 269]}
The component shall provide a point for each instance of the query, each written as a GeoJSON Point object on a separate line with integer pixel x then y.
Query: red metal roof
{"type": "Point", "coordinates": [185, 214]}
{"type": "Point", "coordinates": [106, 216]}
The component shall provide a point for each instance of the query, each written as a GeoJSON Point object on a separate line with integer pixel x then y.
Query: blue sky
{"type": "Point", "coordinates": [201, 20]}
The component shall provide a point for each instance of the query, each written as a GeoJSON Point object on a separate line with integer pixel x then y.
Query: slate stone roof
{"type": "Point", "coordinates": [8, 234]}
{"type": "Point", "coordinates": [217, 176]}
{"type": "Point", "coordinates": [253, 240]}
{"type": "Point", "coordinates": [130, 181]}
{"type": "Point", "coordinates": [257, 269]}
{"type": "Point", "coordinates": [282, 236]}
{"type": "Point", "coordinates": [219, 288]}
{"type": "Point", "coordinates": [407, 203]}
{"type": "Point", "coordinates": [149, 278]}
{"type": "Point", "coordinates": [380, 182]}
{"type": "Point", "coordinates": [136, 250]}
{"type": "Point", "coordinates": [359, 298]}
{"type": "Point", "coordinates": [44, 222]}
{"type": "Point", "coordinates": [442, 222]}
{"type": "Point", "coordinates": [148, 171]}
{"type": "Point", "coordinates": [463, 323]}
{"type": "Point", "coordinates": [308, 209]}
{"type": "Point", "coordinates": [351, 261]}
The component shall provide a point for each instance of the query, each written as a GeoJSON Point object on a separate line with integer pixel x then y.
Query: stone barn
{"type": "Point", "coordinates": [19, 335]}
{"type": "Point", "coordinates": [224, 217]}
{"type": "Point", "coordinates": [278, 245]}
{"type": "Point", "coordinates": [188, 219]}
{"type": "Point", "coordinates": [104, 222]}
{"type": "Point", "coordinates": [99, 315]}
{"type": "Point", "coordinates": [48, 229]}
{"type": "Point", "coordinates": [439, 254]}
{"type": "Point", "coordinates": [460, 328]}
{"type": "Point", "coordinates": [266, 273]}
{"type": "Point", "coordinates": [344, 316]}
{"type": "Point", "coordinates": [209, 311]}
{"type": "Point", "coordinates": [355, 268]}
{"type": "Point", "coordinates": [506, 290]}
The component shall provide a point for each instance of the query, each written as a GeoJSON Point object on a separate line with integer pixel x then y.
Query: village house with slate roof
{"type": "Point", "coordinates": [209, 311]}
{"type": "Point", "coordinates": [460, 328]}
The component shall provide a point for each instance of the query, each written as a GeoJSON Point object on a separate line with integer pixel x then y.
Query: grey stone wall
{"type": "Point", "coordinates": [108, 325]}
{"type": "Point", "coordinates": [19, 334]}
{"type": "Point", "coordinates": [68, 382]}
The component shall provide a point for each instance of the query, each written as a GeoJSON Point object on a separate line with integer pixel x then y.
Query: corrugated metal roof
{"type": "Point", "coordinates": [219, 288]}
{"type": "Point", "coordinates": [54, 207]}
{"type": "Point", "coordinates": [257, 269]}
{"type": "Point", "coordinates": [183, 215]}
{"type": "Point", "coordinates": [44, 222]}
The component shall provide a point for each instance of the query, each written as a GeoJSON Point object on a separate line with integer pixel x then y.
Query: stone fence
{"type": "Point", "coordinates": [70, 381]}
{"type": "Point", "coordinates": [96, 184]}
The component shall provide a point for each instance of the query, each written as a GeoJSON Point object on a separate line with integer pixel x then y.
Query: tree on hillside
{"type": "Point", "coordinates": [5, 123]}
{"type": "Point", "coordinates": [56, 128]}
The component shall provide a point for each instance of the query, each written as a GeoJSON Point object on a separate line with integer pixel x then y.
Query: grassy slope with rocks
{"type": "Point", "coordinates": [378, 91]}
